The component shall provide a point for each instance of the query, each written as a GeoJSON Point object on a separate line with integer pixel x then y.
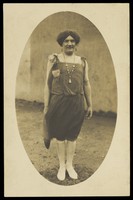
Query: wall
{"type": "Point", "coordinates": [32, 69]}
{"type": "Point", "coordinates": [23, 76]}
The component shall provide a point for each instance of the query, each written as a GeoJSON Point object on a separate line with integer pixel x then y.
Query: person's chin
{"type": "Point", "coordinates": [70, 51]}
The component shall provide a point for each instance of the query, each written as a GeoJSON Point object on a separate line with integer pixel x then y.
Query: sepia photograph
{"type": "Point", "coordinates": [66, 97]}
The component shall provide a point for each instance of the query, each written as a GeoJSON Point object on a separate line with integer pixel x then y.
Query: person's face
{"type": "Point", "coordinates": [69, 45]}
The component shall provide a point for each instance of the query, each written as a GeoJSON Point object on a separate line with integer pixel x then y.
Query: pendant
{"type": "Point", "coordinates": [70, 81]}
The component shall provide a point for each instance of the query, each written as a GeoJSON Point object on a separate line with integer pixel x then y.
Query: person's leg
{"type": "Point", "coordinates": [71, 146]}
{"type": "Point", "coordinates": [61, 155]}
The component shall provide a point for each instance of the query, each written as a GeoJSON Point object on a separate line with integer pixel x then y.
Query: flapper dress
{"type": "Point", "coordinates": [66, 111]}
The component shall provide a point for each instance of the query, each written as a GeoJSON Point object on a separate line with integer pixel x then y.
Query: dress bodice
{"type": "Point", "coordinates": [66, 79]}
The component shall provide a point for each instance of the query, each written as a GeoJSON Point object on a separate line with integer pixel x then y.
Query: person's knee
{"type": "Point", "coordinates": [60, 141]}
{"type": "Point", "coordinates": [71, 141]}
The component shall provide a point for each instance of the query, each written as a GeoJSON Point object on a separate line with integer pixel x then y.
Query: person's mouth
{"type": "Point", "coordinates": [70, 47]}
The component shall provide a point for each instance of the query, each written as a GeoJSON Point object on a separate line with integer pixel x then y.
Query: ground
{"type": "Point", "coordinates": [92, 145]}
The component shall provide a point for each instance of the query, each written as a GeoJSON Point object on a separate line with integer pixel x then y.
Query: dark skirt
{"type": "Point", "coordinates": [65, 117]}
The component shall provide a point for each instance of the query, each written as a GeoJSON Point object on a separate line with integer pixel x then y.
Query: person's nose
{"type": "Point", "coordinates": [69, 42]}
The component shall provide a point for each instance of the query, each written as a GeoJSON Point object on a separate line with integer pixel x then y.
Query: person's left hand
{"type": "Point", "coordinates": [89, 112]}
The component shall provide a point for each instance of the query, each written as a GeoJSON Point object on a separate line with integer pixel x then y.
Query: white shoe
{"type": "Point", "coordinates": [61, 173]}
{"type": "Point", "coordinates": [72, 173]}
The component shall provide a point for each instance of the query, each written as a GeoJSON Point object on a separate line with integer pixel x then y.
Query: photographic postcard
{"type": "Point", "coordinates": [104, 31]}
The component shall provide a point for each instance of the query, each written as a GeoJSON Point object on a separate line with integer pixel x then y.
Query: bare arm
{"type": "Point", "coordinates": [87, 92]}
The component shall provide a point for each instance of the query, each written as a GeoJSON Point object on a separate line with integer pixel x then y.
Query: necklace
{"type": "Point", "coordinates": [69, 72]}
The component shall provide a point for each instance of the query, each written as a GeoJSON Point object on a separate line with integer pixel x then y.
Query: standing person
{"type": "Point", "coordinates": [67, 84]}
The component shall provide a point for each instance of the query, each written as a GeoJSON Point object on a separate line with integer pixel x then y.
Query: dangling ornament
{"type": "Point", "coordinates": [70, 81]}
{"type": "Point", "coordinates": [69, 72]}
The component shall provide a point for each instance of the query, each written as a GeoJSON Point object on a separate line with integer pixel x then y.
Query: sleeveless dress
{"type": "Point", "coordinates": [66, 111]}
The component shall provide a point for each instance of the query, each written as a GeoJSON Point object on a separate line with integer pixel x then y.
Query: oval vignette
{"type": "Point", "coordinates": [96, 134]}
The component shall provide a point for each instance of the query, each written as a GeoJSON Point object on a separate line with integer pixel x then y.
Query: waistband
{"type": "Point", "coordinates": [67, 95]}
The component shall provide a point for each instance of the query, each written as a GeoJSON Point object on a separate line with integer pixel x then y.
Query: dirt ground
{"type": "Point", "coordinates": [92, 145]}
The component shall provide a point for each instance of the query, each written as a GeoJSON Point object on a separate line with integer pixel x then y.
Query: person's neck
{"type": "Point", "coordinates": [69, 58]}
{"type": "Point", "coordinates": [68, 55]}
